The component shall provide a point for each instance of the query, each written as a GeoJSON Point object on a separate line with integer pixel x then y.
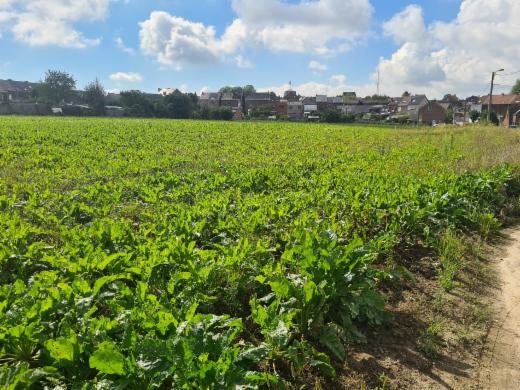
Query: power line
{"type": "Point", "coordinates": [508, 74]}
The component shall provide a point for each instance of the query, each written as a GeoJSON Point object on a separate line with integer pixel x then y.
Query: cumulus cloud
{"type": "Point", "coordinates": [175, 41]}
{"type": "Point", "coordinates": [127, 77]}
{"type": "Point", "coordinates": [318, 27]}
{"type": "Point", "coordinates": [317, 66]}
{"type": "Point", "coordinates": [339, 79]}
{"type": "Point", "coordinates": [305, 26]}
{"type": "Point", "coordinates": [52, 22]}
{"type": "Point", "coordinates": [122, 46]}
{"type": "Point", "coordinates": [453, 56]}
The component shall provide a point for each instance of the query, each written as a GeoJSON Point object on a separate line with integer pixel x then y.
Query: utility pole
{"type": "Point", "coordinates": [491, 93]}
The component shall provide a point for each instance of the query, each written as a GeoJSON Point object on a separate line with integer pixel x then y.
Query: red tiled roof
{"type": "Point", "coordinates": [502, 99]}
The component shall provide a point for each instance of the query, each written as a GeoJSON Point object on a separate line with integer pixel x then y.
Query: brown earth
{"type": "Point", "coordinates": [435, 339]}
{"type": "Point", "coordinates": [500, 367]}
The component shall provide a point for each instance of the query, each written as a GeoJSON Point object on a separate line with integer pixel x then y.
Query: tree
{"type": "Point", "coordinates": [95, 97]}
{"type": "Point", "coordinates": [332, 116]}
{"type": "Point", "coordinates": [406, 93]}
{"type": "Point", "coordinates": [474, 115]}
{"type": "Point", "coordinates": [448, 117]}
{"type": "Point", "coordinates": [237, 92]}
{"type": "Point", "coordinates": [248, 90]}
{"type": "Point", "coordinates": [226, 114]}
{"type": "Point", "coordinates": [138, 104]}
{"type": "Point", "coordinates": [516, 87]}
{"type": "Point", "coordinates": [179, 105]}
{"type": "Point", "coordinates": [57, 87]}
{"type": "Point", "coordinates": [450, 98]}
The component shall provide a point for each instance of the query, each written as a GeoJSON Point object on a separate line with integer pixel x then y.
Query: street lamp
{"type": "Point", "coordinates": [491, 92]}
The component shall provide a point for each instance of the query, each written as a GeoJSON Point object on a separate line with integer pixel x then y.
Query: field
{"type": "Point", "coordinates": [198, 255]}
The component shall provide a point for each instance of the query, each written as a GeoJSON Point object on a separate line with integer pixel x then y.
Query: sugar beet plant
{"type": "Point", "coordinates": [194, 255]}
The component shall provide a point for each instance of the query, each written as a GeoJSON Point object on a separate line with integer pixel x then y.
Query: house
{"type": "Point", "coordinates": [321, 102]}
{"type": "Point", "coordinates": [114, 111]}
{"type": "Point", "coordinates": [260, 100]}
{"type": "Point", "coordinates": [210, 99]}
{"type": "Point", "coordinates": [356, 109]}
{"type": "Point", "coordinates": [403, 103]}
{"type": "Point", "coordinates": [16, 91]}
{"type": "Point", "coordinates": [281, 108]}
{"type": "Point", "coordinates": [290, 95]}
{"type": "Point", "coordinates": [506, 107]}
{"type": "Point", "coordinates": [430, 113]}
{"type": "Point", "coordinates": [295, 110]}
{"type": "Point", "coordinates": [411, 105]}
{"type": "Point", "coordinates": [228, 100]}
{"type": "Point", "coordinates": [309, 105]}
{"type": "Point", "coordinates": [416, 102]}
{"type": "Point", "coordinates": [347, 96]}
{"type": "Point", "coordinates": [393, 105]}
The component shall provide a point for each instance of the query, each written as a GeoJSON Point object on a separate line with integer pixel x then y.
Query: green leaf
{"type": "Point", "coordinates": [98, 285]}
{"type": "Point", "coordinates": [280, 287]}
{"type": "Point", "coordinates": [330, 338]}
{"type": "Point", "coordinates": [322, 362]}
{"type": "Point", "coordinates": [310, 290]}
{"type": "Point", "coordinates": [108, 360]}
{"type": "Point", "coordinates": [255, 355]}
{"type": "Point", "coordinates": [62, 349]}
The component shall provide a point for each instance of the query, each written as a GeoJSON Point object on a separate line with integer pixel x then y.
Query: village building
{"type": "Point", "coordinates": [210, 99]}
{"type": "Point", "coordinates": [260, 100]}
{"type": "Point", "coordinates": [295, 110]}
{"type": "Point", "coordinates": [16, 91]}
{"type": "Point", "coordinates": [506, 107]}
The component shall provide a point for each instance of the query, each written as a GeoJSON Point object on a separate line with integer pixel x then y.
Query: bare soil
{"type": "Point", "coordinates": [500, 368]}
{"type": "Point", "coordinates": [436, 339]}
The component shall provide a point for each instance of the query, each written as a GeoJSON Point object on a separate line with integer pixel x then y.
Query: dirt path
{"type": "Point", "coordinates": [500, 367]}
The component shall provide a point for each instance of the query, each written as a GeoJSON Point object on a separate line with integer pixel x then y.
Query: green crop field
{"type": "Point", "coordinates": [148, 254]}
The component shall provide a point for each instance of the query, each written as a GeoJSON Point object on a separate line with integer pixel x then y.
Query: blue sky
{"type": "Point", "coordinates": [338, 45]}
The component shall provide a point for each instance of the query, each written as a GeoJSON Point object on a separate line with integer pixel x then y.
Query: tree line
{"type": "Point", "coordinates": [59, 88]}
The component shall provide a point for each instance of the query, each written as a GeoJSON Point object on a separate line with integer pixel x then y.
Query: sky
{"type": "Point", "coordinates": [319, 46]}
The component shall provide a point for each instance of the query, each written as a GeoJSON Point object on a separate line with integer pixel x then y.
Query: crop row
{"type": "Point", "coordinates": [238, 274]}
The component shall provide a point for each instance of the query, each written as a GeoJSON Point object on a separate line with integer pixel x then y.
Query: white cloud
{"type": "Point", "coordinates": [318, 27]}
{"type": "Point", "coordinates": [176, 41]}
{"type": "Point", "coordinates": [121, 45]}
{"type": "Point", "coordinates": [339, 79]}
{"type": "Point", "coordinates": [317, 66]}
{"type": "Point", "coordinates": [52, 22]}
{"type": "Point", "coordinates": [456, 56]}
{"type": "Point", "coordinates": [243, 62]}
{"type": "Point", "coordinates": [306, 26]}
{"type": "Point", "coordinates": [407, 25]}
{"type": "Point", "coordinates": [129, 77]}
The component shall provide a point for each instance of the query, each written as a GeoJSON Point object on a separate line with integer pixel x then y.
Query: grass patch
{"type": "Point", "coordinates": [451, 255]}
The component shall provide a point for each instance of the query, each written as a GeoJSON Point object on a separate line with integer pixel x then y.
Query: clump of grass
{"type": "Point", "coordinates": [488, 225]}
{"type": "Point", "coordinates": [440, 300]}
{"type": "Point", "coordinates": [430, 340]}
{"type": "Point", "coordinates": [451, 256]}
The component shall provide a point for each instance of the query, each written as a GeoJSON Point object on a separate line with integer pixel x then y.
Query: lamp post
{"type": "Point", "coordinates": [491, 92]}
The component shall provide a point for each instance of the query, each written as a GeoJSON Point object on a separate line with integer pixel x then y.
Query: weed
{"type": "Point", "coordinates": [430, 340]}
{"type": "Point", "coordinates": [488, 225]}
{"type": "Point", "coordinates": [451, 255]}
